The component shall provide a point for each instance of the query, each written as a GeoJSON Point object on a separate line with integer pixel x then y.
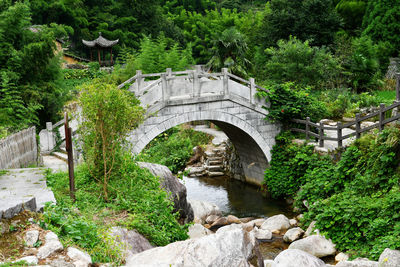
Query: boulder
{"type": "Point", "coordinates": [50, 236]}
{"type": "Point", "coordinates": [258, 222]}
{"type": "Point", "coordinates": [293, 222]}
{"type": "Point", "coordinates": [246, 219]}
{"type": "Point", "coordinates": [293, 234]}
{"type": "Point", "coordinates": [389, 258]}
{"type": "Point", "coordinates": [296, 258]}
{"type": "Point", "coordinates": [233, 219]}
{"type": "Point", "coordinates": [212, 218]}
{"type": "Point", "coordinates": [248, 226]}
{"type": "Point", "coordinates": [31, 237]}
{"type": "Point", "coordinates": [268, 263]}
{"type": "Point", "coordinates": [276, 223]}
{"type": "Point", "coordinates": [341, 257]}
{"type": "Point", "coordinates": [78, 255]}
{"type": "Point", "coordinates": [172, 185]}
{"type": "Point", "coordinates": [129, 240]}
{"type": "Point", "coordinates": [261, 233]}
{"type": "Point", "coordinates": [315, 245]}
{"type": "Point", "coordinates": [228, 228]}
{"type": "Point", "coordinates": [231, 248]}
{"type": "Point", "coordinates": [197, 230]}
{"type": "Point", "coordinates": [219, 223]}
{"type": "Point", "coordinates": [31, 260]}
{"type": "Point", "coordinates": [311, 229]}
{"type": "Point", "coordinates": [61, 263]}
{"type": "Point", "coordinates": [358, 263]}
{"type": "Point", "coordinates": [49, 248]}
{"type": "Point", "coordinates": [203, 209]}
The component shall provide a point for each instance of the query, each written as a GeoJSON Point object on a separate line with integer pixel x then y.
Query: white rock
{"type": "Point", "coordinates": [202, 210]}
{"type": "Point", "coordinates": [78, 255]}
{"type": "Point", "coordinates": [31, 237]}
{"type": "Point", "coordinates": [31, 260]}
{"type": "Point", "coordinates": [293, 234]}
{"type": "Point", "coordinates": [293, 222]}
{"type": "Point", "coordinates": [311, 229]}
{"type": "Point", "coordinates": [81, 264]}
{"type": "Point", "coordinates": [50, 236]}
{"type": "Point", "coordinates": [211, 219]}
{"type": "Point", "coordinates": [389, 258]}
{"type": "Point", "coordinates": [197, 230]}
{"type": "Point", "coordinates": [358, 263]}
{"type": "Point", "coordinates": [297, 258]}
{"type": "Point", "coordinates": [268, 263]}
{"type": "Point", "coordinates": [276, 223]}
{"type": "Point", "coordinates": [49, 248]}
{"type": "Point", "coordinates": [261, 233]}
{"type": "Point", "coordinates": [228, 228]}
{"type": "Point", "coordinates": [341, 257]}
{"type": "Point", "coordinates": [231, 248]}
{"type": "Point", "coordinates": [258, 222]}
{"type": "Point", "coordinates": [315, 245]}
{"type": "Point", "coordinates": [248, 226]}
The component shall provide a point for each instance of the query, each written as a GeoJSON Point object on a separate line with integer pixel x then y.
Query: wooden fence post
{"type": "Point", "coordinates": [339, 134]}
{"type": "Point", "coordinates": [397, 86]}
{"type": "Point", "coordinates": [321, 134]}
{"type": "Point", "coordinates": [225, 81]}
{"type": "Point", "coordinates": [68, 147]}
{"type": "Point", "coordinates": [358, 126]}
{"type": "Point", "coordinates": [381, 117]}
{"type": "Point", "coordinates": [307, 128]}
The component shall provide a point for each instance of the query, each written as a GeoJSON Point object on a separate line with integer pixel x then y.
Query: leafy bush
{"type": "Point", "coordinates": [297, 61]}
{"type": "Point", "coordinates": [289, 101]}
{"type": "Point", "coordinates": [288, 166]}
{"type": "Point", "coordinates": [108, 114]}
{"type": "Point", "coordinates": [133, 191]}
{"type": "Point", "coordinates": [173, 148]}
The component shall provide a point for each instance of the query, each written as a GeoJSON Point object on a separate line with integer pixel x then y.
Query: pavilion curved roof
{"type": "Point", "coordinates": [100, 41]}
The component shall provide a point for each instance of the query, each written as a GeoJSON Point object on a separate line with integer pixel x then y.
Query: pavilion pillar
{"type": "Point", "coordinates": [98, 56]}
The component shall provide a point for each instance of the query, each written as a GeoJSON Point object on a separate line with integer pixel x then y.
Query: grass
{"type": "Point", "coordinates": [386, 97]}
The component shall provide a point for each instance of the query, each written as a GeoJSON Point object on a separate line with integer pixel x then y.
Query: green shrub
{"type": "Point", "coordinates": [298, 62]}
{"type": "Point", "coordinates": [288, 166]}
{"type": "Point", "coordinates": [173, 148]}
{"type": "Point", "coordinates": [289, 101]}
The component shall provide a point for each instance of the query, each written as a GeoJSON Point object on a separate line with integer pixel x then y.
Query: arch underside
{"type": "Point", "coordinates": [252, 136]}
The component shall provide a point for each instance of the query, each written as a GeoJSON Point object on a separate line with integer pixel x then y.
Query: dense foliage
{"type": "Point", "coordinates": [353, 201]}
{"type": "Point", "coordinates": [29, 69]}
{"type": "Point", "coordinates": [137, 203]}
{"type": "Point", "coordinates": [289, 101]}
{"type": "Point", "coordinates": [173, 148]}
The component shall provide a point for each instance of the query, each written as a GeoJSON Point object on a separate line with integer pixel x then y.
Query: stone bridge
{"type": "Point", "coordinates": [228, 101]}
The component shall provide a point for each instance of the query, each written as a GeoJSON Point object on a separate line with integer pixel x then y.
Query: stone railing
{"type": "Point", "coordinates": [162, 87]}
{"type": "Point", "coordinates": [19, 150]}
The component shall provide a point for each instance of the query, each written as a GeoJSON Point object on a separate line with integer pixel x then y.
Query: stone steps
{"type": "Point", "coordinates": [61, 155]}
{"type": "Point", "coordinates": [215, 174]}
{"type": "Point", "coordinates": [215, 168]}
{"type": "Point", "coordinates": [214, 162]}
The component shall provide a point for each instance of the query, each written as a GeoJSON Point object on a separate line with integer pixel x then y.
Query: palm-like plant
{"type": "Point", "coordinates": [229, 51]}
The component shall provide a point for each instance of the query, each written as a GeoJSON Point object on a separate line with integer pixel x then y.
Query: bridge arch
{"type": "Point", "coordinates": [252, 136]}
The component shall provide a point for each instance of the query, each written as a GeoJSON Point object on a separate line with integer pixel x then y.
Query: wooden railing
{"type": "Point", "coordinates": [320, 134]}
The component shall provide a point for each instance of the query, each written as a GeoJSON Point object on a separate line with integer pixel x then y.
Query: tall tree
{"type": "Point", "coordinates": [381, 22]}
{"type": "Point", "coordinates": [314, 20]}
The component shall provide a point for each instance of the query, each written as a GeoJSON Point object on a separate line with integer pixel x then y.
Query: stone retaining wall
{"type": "Point", "coordinates": [19, 150]}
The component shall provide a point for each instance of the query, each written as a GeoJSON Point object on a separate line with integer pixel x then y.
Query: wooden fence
{"type": "Point", "coordinates": [320, 134]}
{"type": "Point", "coordinates": [19, 150]}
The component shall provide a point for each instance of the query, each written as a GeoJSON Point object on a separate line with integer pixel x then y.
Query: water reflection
{"type": "Point", "coordinates": [234, 197]}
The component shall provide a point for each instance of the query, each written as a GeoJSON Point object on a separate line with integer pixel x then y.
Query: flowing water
{"type": "Point", "coordinates": [234, 197]}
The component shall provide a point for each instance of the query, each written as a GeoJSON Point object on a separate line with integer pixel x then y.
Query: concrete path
{"type": "Point", "coordinates": [26, 188]}
{"type": "Point", "coordinates": [219, 136]}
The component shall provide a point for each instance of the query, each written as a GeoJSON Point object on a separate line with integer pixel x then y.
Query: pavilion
{"type": "Point", "coordinates": [101, 44]}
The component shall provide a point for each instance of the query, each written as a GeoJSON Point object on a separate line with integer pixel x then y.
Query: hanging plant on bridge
{"type": "Point", "coordinates": [289, 101]}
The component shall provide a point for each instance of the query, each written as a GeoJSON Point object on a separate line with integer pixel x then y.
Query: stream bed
{"type": "Point", "coordinates": [242, 200]}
